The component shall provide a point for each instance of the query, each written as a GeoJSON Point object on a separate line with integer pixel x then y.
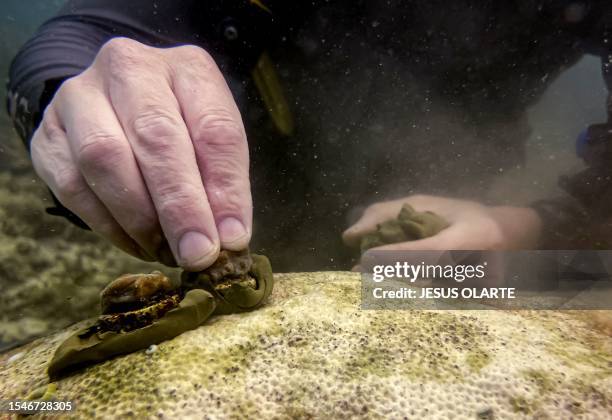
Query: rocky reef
{"type": "Point", "coordinates": [311, 352]}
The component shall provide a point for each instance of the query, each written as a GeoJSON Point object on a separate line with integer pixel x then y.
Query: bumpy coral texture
{"type": "Point", "coordinates": [311, 352]}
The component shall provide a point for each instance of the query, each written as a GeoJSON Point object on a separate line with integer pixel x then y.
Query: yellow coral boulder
{"type": "Point", "coordinates": [311, 352]}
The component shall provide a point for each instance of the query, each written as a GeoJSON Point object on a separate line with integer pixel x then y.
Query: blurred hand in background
{"type": "Point", "coordinates": [473, 226]}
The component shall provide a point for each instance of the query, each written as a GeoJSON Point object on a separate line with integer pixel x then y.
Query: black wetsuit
{"type": "Point", "coordinates": [389, 98]}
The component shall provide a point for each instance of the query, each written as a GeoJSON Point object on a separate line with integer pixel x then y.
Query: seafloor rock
{"type": "Point", "coordinates": [311, 352]}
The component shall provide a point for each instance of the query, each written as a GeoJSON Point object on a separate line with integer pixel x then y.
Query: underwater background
{"type": "Point", "coordinates": [51, 272]}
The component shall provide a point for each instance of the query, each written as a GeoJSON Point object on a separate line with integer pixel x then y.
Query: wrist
{"type": "Point", "coordinates": [521, 226]}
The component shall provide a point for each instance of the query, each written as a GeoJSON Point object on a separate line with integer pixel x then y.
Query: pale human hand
{"type": "Point", "coordinates": [473, 226]}
{"type": "Point", "coordinates": [148, 147]}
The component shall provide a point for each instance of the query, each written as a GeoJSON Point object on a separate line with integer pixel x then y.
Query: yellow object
{"type": "Point", "coordinates": [269, 87]}
{"type": "Point", "coordinates": [259, 4]}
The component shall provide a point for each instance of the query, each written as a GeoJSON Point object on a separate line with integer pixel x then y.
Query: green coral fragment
{"type": "Point", "coordinates": [202, 298]}
{"type": "Point", "coordinates": [409, 225]}
{"type": "Point", "coordinates": [84, 348]}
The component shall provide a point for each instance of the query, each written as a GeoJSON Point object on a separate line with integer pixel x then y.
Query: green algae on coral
{"type": "Point", "coordinates": [477, 360]}
{"type": "Point", "coordinates": [541, 379]}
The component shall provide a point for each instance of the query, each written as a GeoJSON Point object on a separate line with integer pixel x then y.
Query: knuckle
{"type": "Point", "coordinates": [36, 149]}
{"type": "Point", "coordinates": [38, 158]}
{"type": "Point", "coordinates": [124, 72]}
{"type": "Point", "coordinates": [69, 185]}
{"type": "Point", "coordinates": [99, 150]}
{"type": "Point", "coordinates": [194, 55]}
{"type": "Point", "coordinates": [121, 47]}
{"type": "Point", "coordinates": [219, 130]}
{"type": "Point", "coordinates": [49, 130]}
{"type": "Point", "coordinates": [228, 201]}
{"type": "Point", "coordinates": [154, 128]}
{"type": "Point", "coordinates": [125, 60]}
{"type": "Point", "coordinates": [45, 148]}
{"type": "Point", "coordinates": [221, 139]}
{"type": "Point", "coordinates": [224, 172]}
{"type": "Point", "coordinates": [70, 88]}
{"type": "Point", "coordinates": [177, 197]}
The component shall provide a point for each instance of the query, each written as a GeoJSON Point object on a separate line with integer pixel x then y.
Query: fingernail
{"type": "Point", "coordinates": [231, 230]}
{"type": "Point", "coordinates": [195, 250]}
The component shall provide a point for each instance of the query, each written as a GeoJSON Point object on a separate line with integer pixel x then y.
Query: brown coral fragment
{"type": "Point", "coordinates": [232, 264]}
{"type": "Point", "coordinates": [134, 291]}
{"type": "Point", "coordinates": [235, 293]}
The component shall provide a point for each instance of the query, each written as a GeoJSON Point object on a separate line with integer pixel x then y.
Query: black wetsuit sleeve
{"type": "Point", "coordinates": [66, 44]}
{"type": "Point", "coordinates": [579, 219]}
